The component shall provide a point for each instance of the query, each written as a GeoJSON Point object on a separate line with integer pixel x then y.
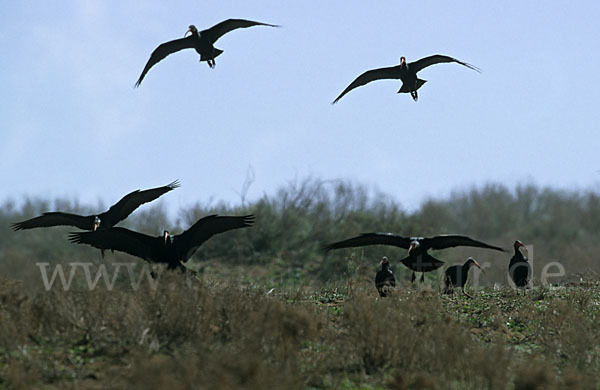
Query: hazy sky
{"type": "Point", "coordinates": [73, 125]}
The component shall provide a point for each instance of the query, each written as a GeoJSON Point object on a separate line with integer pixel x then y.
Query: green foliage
{"type": "Point", "coordinates": [219, 333]}
{"type": "Point", "coordinates": [284, 246]}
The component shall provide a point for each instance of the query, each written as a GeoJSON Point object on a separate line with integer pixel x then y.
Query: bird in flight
{"type": "Point", "coordinates": [202, 41]}
{"type": "Point", "coordinates": [172, 250]}
{"type": "Point", "coordinates": [418, 260]}
{"type": "Point", "coordinates": [406, 72]}
{"type": "Point", "coordinates": [117, 212]}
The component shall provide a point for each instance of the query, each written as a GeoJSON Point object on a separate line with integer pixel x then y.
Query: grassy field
{"type": "Point", "coordinates": [215, 333]}
{"type": "Point", "coordinates": [270, 310]}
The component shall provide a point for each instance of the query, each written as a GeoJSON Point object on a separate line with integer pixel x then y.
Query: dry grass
{"type": "Point", "coordinates": [215, 333]}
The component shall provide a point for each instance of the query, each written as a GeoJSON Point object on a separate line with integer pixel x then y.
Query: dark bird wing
{"type": "Point", "coordinates": [372, 239]}
{"type": "Point", "coordinates": [220, 29]}
{"type": "Point", "coordinates": [188, 241]}
{"type": "Point", "coordinates": [452, 240]}
{"type": "Point", "coordinates": [120, 239]}
{"type": "Point", "coordinates": [164, 50]}
{"type": "Point", "coordinates": [121, 210]}
{"type": "Point", "coordinates": [55, 219]}
{"type": "Point", "coordinates": [437, 59]}
{"type": "Point", "coordinates": [371, 75]}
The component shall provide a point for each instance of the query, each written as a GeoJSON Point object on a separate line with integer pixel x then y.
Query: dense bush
{"type": "Point", "coordinates": [291, 226]}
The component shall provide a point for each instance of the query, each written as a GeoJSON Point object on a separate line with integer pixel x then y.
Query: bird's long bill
{"type": "Point", "coordinates": [478, 266]}
{"type": "Point", "coordinates": [524, 250]}
{"type": "Point", "coordinates": [412, 246]}
{"type": "Point", "coordinates": [189, 30]}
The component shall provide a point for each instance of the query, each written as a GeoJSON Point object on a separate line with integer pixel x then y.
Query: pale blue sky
{"type": "Point", "coordinates": [73, 125]}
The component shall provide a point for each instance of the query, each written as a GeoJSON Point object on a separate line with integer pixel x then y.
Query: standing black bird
{"type": "Point", "coordinates": [519, 268]}
{"type": "Point", "coordinates": [405, 72]}
{"type": "Point", "coordinates": [457, 275]}
{"type": "Point", "coordinates": [117, 212]}
{"type": "Point", "coordinates": [384, 278]}
{"type": "Point", "coordinates": [418, 260]}
{"type": "Point", "coordinates": [202, 41]}
{"type": "Point", "coordinates": [167, 249]}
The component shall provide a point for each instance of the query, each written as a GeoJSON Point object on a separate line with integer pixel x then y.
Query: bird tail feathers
{"type": "Point", "coordinates": [216, 53]}
{"type": "Point", "coordinates": [406, 89]}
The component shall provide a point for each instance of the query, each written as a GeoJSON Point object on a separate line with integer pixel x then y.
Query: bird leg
{"type": "Point", "coordinates": [464, 292]}
{"type": "Point", "coordinates": [423, 277]}
{"type": "Point", "coordinates": [211, 63]}
{"type": "Point", "coordinates": [414, 95]}
{"type": "Point", "coordinates": [413, 278]}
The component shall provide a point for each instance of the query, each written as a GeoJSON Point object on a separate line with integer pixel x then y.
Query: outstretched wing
{"type": "Point", "coordinates": [452, 240]}
{"type": "Point", "coordinates": [121, 210]}
{"type": "Point", "coordinates": [437, 59]}
{"type": "Point", "coordinates": [371, 75]}
{"type": "Point", "coordinates": [119, 239]}
{"type": "Point", "coordinates": [220, 29]}
{"type": "Point", "coordinates": [188, 241]}
{"type": "Point", "coordinates": [164, 50]}
{"type": "Point", "coordinates": [372, 239]}
{"type": "Point", "coordinates": [55, 219]}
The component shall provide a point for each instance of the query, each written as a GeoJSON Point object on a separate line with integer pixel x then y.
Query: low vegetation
{"type": "Point", "coordinates": [268, 309]}
{"type": "Point", "coordinates": [213, 333]}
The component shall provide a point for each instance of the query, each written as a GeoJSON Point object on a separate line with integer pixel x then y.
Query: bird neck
{"type": "Point", "coordinates": [518, 253]}
{"type": "Point", "coordinates": [465, 271]}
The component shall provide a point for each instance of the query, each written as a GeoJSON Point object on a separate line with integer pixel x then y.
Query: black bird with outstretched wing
{"type": "Point", "coordinates": [418, 259]}
{"type": "Point", "coordinates": [168, 249]}
{"type": "Point", "coordinates": [115, 214]}
{"type": "Point", "coordinates": [202, 41]}
{"type": "Point", "coordinates": [407, 72]}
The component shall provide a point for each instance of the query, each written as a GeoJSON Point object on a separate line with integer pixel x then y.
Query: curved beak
{"type": "Point", "coordinates": [524, 250]}
{"type": "Point", "coordinates": [476, 264]}
{"type": "Point", "coordinates": [189, 30]}
{"type": "Point", "coordinates": [412, 247]}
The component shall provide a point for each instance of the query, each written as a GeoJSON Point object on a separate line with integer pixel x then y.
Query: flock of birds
{"type": "Point", "coordinates": [203, 42]}
{"type": "Point", "coordinates": [175, 250]}
{"type": "Point", "coordinates": [418, 260]}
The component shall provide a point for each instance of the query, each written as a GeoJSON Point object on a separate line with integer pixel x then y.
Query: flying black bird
{"type": "Point", "coordinates": [384, 278]}
{"type": "Point", "coordinates": [457, 275]}
{"type": "Point", "coordinates": [201, 41]}
{"type": "Point", "coordinates": [407, 73]}
{"type": "Point", "coordinates": [117, 212]}
{"type": "Point", "coordinates": [519, 268]}
{"type": "Point", "coordinates": [418, 260]}
{"type": "Point", "coordinates": [167, 249]}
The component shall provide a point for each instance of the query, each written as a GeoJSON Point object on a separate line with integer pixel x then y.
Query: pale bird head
{"type": "Point", "coordinates": [191, 29]}
{"type": "Point", "coordinates": [413, 245]}
{"type": "Point", "coordinates": [96, 222]}
{"type": "Point", "coordinates": [471, 262]}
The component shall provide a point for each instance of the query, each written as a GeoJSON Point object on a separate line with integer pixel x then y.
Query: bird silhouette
{"type": "Point", "coordinates": [406, 72]}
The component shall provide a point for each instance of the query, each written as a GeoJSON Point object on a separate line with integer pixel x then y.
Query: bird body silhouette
{"type": "Point", "coordinates": [384, 278]}
{"type": "Point", "coordinates": [117, 212]}
{"type": "Point", "coordinates": [406, 72]}
{"type": "Point", "coordinates": [519, 268]}
{"type": "Point", "coordinates": [418, 260]}
{"type": "Point", "coordinates": [202, 41]}
{"type": "Point", "coordinates": [172, 250]}
{"type": "Point", "coordinates": [456, 276]}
